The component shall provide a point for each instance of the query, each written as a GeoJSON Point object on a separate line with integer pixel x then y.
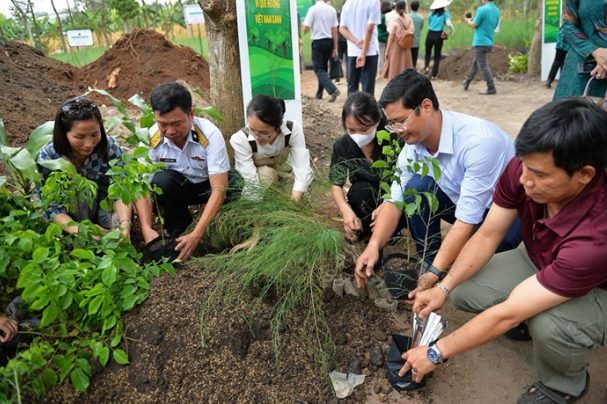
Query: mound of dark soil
{"type": "Point", "coordinates": [32, 88]}
{"type": "Point", "coordinates": [455, 67]}
{"type": "Point", "coordinates": [143, 59]}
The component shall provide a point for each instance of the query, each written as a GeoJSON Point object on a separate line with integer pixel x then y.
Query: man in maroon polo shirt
{"type": "Point", "coordinates": [558, 282]}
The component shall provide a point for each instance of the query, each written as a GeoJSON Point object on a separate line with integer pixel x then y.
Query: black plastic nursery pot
{"type": "Point", "coordinates": [400, 275]}
{"type": "Point", "coordinates": [394, 362]}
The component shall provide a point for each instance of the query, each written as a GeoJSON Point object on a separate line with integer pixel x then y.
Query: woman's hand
{"type": "Point", "coordinates": [352, 225]}
{"type": "Point", "coordinates": [9, 327]}
{"type": "Point", "coordinates": [600, 71]}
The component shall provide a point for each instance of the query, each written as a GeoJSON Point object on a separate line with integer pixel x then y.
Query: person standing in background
{"type": "Point", "coordinates": [391, 15]}
{"type": "Point", "coordinates": [382, 33]}
{"type": "Point", "coordinates": [486, 20]}
{"type": "Point", "coordinates": [398, 59]}
{"type": "Point", "coordinates": [559, 58]}
{"type": "Point", "coordinates": [322, 20]}
{"type": "Point", "coordinates": [439, 17]}
{"type": "Point", "coordinates": [359, 21]}
{"type": "Point", "coordinates": [418, 24]}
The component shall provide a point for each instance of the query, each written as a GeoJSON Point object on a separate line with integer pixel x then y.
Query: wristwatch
{"type": "Point", "coordinates": [434, 354]}
{"type": "Point", "coordinates": [441, 274]}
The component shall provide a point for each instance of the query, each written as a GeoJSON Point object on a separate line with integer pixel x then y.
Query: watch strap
{"type": "Point", "coordinates": [433, 344]}
{"type": "Point", "coordinates": [441, 274]}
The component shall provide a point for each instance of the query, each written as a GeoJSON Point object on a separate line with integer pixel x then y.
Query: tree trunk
{"type": "Point", "coordinates": [25, 23]}
{"type": "Point", "coordinates": [60, 26]}
{"type": "Point", "coordinates": [155, 21]}
{"type": "Point", "coordinates": [224, 56]}
{"type": "Point", "coordinates": [534, 63]}
{"type": "Point", "coordinates": [106, 37]}
{"type": "Point", "coordinates": [144, 11]}
{"type": "Point", "coordinates": [69, 12]}
{"type": "Point", "coordinates": [38, 45]}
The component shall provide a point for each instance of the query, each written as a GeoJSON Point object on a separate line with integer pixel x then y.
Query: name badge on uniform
{"type": "Point", "coordinates": [198, 158]}
{"type": "Point", "coordinates": [167, 160]}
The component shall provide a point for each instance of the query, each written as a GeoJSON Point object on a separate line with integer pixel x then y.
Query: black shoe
{"type": "Point", "coordinates": [465, 84]}
{"type": "Point", "coordinates": [488, 91]}
{"type": "Point", "coordinates": [548, 83]}
{"type": "Point", "coordinates": [519, 333]}
{"type": "Point", "coordinates": [333, 96]}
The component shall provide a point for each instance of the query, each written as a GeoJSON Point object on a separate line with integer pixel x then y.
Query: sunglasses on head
{"type": "Point", "coordinates": [73, 109]}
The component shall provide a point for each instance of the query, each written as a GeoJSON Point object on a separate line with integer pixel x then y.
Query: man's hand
{"type": "Point", "coordinates": [359, 43]}
{"type": "Point", "coordinates": [9, 327]}
{"type": "Point", "coordinates": [360, 61]}
{"type": "Point", "coordinates": [186, 245]}
{"type": "Point", "coordinates": [334, 54]}
{"type": "Point", "coordinates": [417, 359]}
{"type": "Point", "coordinates": [364, 265]}
{"type": "Point", "coordinates": [428, 301]}
{"type": "Point", "coordinates": [426, 281]}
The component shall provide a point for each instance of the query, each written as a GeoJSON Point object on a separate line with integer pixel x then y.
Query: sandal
{"type": "Point", "coordinates": [156, 251]}
{"type": "Point", "coordinates": [519, 333]}
{"type": "Point", "coordinates": [545, 395]}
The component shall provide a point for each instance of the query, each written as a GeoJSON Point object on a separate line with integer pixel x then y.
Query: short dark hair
{"type": "Point", "coordinates": [414, 5]}
{"type": "Point", "coordinates": [574, 129]}
{"type": "Point", "coordinates": [269, 110]}
{"type": "Point", "coordinates": [363, 108]}
{"type": "Point", "coordinates": [386, 6]}
{"type": "Point", "coordinates": [401, 5]}
{"type": "Point", "coordinates": [438, 11]}
{"type": "Point", "coordinates": [411, 88]}
{"type": "Point", "coordinates": [168, 96]}
{"type": "Point", "coordinates": [64, 123]}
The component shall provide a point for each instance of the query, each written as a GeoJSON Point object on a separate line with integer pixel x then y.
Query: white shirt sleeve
{"type": "Point", "coordinates": [375, 14]}
{"type": "Point", "coordinates": [217, 153]}
{"type": "Point", "coordinates": [397, 190]}
{"type": "Point", "coordinates": [244, 164]}
{"type": "Point", "coordinates": [299, 157]}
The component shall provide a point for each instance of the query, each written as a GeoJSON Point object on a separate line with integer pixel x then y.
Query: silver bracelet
{"type": "Point", "coordinates": [443, 288]}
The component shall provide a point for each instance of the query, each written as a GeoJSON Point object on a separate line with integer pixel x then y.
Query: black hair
{"type": "Point", "coordinates": [64, 123]}
{"type": "Point", "coordinates": [269, 110]}
{"type": "Point", "coordinates": [168, 96]}
{"type": "Point", "coordinates": [363, 108]}
{"type": "Point", "coordinates": [574, 129]}
{"type": "Point", "coordinates": [386, 6]}
{"type": "Point", "coordinates": [414, 5]}
{"type": "Point", "coordinates": [438, 11]}
{"type": "Point", "coordinates": [411, 88]}
{"type": "Point", "coordinates": [401, 6]}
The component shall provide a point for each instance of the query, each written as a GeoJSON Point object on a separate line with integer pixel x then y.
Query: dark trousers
{"type": "Point", "coordinates": [433, 40]}
{"type": "Point", "coordinates": [425, 229]}
{"type": "Point", "coordinates": [414, 54]}
{"type": "Point", "coordinates": [321, 54]}
{"type": "Point", "coordinates": [363, 75]}
{"type": "Point", "coordinates": [342, 53]}
{"type": "Point", "coordinates": [481, 63]}
{"type": "Point", "coordinates": [364, 197]}
{"type": "Point", "coordinates": [559, 59]}
{"type": "Point", "coordinates": [178, 193]}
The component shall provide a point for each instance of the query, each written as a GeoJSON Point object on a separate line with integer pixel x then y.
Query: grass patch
{"type": "Point", "coordinates": [194, 43]}
{"type": "Point", "coordinates": [80, 56]}
{"type": "Point", "coordinates": [295, 248]}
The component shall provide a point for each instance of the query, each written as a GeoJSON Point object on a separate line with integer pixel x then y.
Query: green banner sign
{"type": "Point", "coordinates": [552, 20]}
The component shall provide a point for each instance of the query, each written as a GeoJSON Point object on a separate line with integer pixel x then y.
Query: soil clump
{"type": "Point", "coordinates": [456, 67]}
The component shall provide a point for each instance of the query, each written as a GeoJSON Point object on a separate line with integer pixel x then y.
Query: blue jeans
{"type": "Point", "coordinates": [425, 229]}
{"type": "Point", "coordinates": [365, 75]}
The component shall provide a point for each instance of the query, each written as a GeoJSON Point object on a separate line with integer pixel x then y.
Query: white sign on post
{"type": "Point", "coordinates": [80, 37]}
{"type": "Point", "coordinates": [193, 14]}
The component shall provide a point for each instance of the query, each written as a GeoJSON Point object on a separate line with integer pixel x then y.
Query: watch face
{"type": "Point", "coordinates": [433, 355]}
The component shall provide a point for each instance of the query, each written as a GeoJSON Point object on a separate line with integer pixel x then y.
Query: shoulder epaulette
{"type": "Point", "coordinates": [199, 137]}
{"type": "Point", "coordinates": [156, 139]}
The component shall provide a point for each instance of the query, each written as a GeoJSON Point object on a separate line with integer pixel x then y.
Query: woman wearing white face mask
{"type": "Point", "coordinates": [351, 160]}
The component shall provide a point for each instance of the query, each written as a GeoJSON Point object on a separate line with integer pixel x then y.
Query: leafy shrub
{"type": "Point", "coordinates": [518, 62]}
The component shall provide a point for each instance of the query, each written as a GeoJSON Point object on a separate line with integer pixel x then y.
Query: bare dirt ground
{"type": "Point", "coordinates": [168, 362]}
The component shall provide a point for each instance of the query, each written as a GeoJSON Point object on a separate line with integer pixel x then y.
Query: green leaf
{"type": "Point", "coordinates": [80, 380]}
{"type": "Point", "coordinates": [38, 386]}
{"type": "Point", "coordinates": [84, 365]}
{"type": "Point", "coordinates": [59, 164]}
{"type": "Point", "coordinates": [210, 111]}
{"type": "Point", "coordinates": [115, 100]}
{"type": "Point", "coordinates": [65, 370]}
{"type": "Point", "coordinates": [50, 378]}
{"type": "Point", "coordinates": [49, 315]}
{"type": "Point", "coordinates": [24, 162]}
{"type": "Point", "coordinates": [379, 164]}
{"type": "Point", "coordinates": [83, 254]}
{"type": "Point", "coordinates": [104, 356]}
{"type": "Point", "coordinates": [108, 276]}
{"type": "Point", "coordinates": [120, 357]}
{"type": "Point", "coordinates": [109, 322]}
{"type": "Point", "coordinates": [42, 135]}
{"type": "Point", "coordinates": [129, 302]}
{"type": "Point", "coordinates": [141, 151]}
{"type": "Point", "coordinates": [95, 304]}
{"type": "Point", "coordinates": [3, 135]}
{"type": "Point", "coordinates": [138, 101]}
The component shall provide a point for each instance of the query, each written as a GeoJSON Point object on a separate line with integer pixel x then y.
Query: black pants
{"type": "Point", "coordinates": [364, 198]}
{"type": "Point", "coordinates": [178, 193]}
{"type": "Point", "coordinates": [363, 75]}
{"type": "Point", "coordinates": [414, 54]}
{"type": "Point", "coordinates": [559, 59]}
{"type": "Point", "coordinates": [322, 49]}
{"type": "Point", "coordinates": [433, 40]}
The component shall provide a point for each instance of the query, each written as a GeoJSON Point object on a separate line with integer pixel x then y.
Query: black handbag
{"type": "Point", "coordinates": [335, 69]}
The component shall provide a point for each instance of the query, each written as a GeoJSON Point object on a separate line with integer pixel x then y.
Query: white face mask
{"type": "Point", "coordinates": [363, 140]}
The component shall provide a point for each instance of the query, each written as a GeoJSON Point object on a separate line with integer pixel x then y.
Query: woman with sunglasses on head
{"type": "Point", "coordinates": [351, 160]}
{"type": "Point", "coordinates": [264, 143]}
{"type": "Point", "coordinates": [79, 137]}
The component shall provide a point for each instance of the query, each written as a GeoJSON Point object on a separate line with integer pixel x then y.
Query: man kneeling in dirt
{"type": "Point", "coordinates": [558, 186]}
{"type": "Point", "coordinates": [196, 172]}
